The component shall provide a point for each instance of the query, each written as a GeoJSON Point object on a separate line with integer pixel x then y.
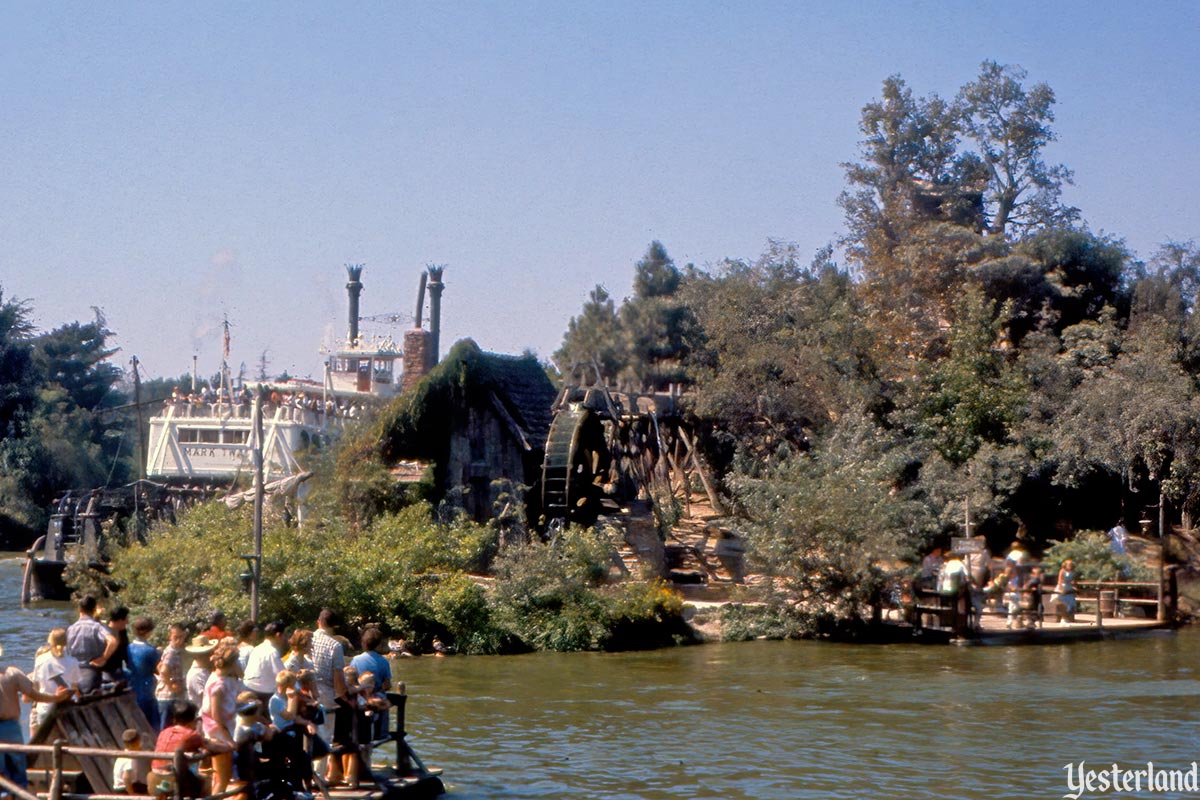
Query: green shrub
{"type": "Point", "coordinates": [774, 620]}
{"type": "Point", "coordinates": [1094, 559]}
{"type": "Point", "coordinates": [409, 570]}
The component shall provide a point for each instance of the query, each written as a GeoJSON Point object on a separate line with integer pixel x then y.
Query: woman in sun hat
{"type": "Point", "coordinates": [197, 675]}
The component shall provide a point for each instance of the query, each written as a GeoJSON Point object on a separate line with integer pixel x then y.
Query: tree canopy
{"type": "Point", "coordinates": [52, 437]}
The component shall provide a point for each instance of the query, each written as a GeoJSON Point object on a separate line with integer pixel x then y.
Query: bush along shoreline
{"type": "Point", "coordinates": [418, 574]}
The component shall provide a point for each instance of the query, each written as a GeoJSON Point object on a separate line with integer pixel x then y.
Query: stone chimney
{"type": "Point", "coordinates": [418, 357]}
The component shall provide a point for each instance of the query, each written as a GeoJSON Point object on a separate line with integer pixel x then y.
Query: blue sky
{"type": "Point", "coordinates": [177, 163]}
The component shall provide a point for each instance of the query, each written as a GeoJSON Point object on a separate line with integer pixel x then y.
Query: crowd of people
{"type": "Point", "coordinates": [259, 702]}
{"type": "Point", "coordinates": [207, 402]}
{"type": "Point", "coordinates": [1016, 587]}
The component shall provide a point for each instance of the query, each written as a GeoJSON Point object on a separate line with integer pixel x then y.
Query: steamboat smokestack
{"type": "Point", "coordinates": [420, 301]}
{"type": "Point", "coordinates": [354, 288]}
{"type": "Point", "coordinates": [435, 306]}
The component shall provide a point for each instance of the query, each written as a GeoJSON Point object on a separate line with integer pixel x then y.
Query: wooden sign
{"type": "Point", "coordinates": [962, 545]}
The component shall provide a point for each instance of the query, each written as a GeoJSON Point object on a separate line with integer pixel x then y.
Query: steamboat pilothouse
{"type": "Point", "coordinates": [206, 437]}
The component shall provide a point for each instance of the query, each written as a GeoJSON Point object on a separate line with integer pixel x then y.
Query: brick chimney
{"type": "Point", "coordinates": [418, 357]}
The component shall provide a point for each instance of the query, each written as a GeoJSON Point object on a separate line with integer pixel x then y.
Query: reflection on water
{"type": "Point", "coordinates": [795, 719]}
{"type": "Point", "coordinates": [24, 629]}
{"type": "Point", "coordinates": [781, 719]}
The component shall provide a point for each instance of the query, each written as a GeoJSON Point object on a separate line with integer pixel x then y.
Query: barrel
{"type": "Point", "coordinates": [1108, 604]}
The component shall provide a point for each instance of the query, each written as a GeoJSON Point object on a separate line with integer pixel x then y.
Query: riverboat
{"type": "Point", "coordinates": [205, 441]}
{"type": "Point", "coordinates": [209, 436]}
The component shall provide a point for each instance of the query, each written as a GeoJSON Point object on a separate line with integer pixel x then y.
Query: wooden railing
{"type": "Point", "coordinates": [1113, 602]}
{"type": "Point", "coordinates": [407, 763]}
{"type": "Point", "coordinates": [1107, 597]}
{"type": "Point", "coordinates": [179, 763]}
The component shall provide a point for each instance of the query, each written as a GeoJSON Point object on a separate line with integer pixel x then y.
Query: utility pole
{"type": "Point", "coordinates": [256, 567]}
{"type": "Point", "coordinates": [137, 405]}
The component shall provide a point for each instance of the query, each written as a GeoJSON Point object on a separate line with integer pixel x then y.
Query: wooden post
{"type": "Point", "coordinates": [179, 764]}
{"type": "Point", "coordinates": [56, 761]}
{"type": "Point", "coordinates": [137, 407]}
{"type": "Point", "coordinates": [16, 791]}
{"type": "Point", "coordinates": [1100, 605]}
{"type": "Point", "coordinates": [708, 489]}
{"type": "Point", "coordinates": [1162, 553]}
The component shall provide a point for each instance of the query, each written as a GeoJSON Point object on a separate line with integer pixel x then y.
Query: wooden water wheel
{"type": "Point", "coordinates": [576, 465]}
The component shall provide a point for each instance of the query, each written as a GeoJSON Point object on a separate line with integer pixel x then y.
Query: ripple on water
{"type": "Point", "coordinates": [778, 719]}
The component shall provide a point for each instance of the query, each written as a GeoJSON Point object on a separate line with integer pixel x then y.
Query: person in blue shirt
{"type": "Point", "coordinates": [371, 660]}
{"type": "Point", "coordinates": [1119, 536]}
{"type": "Point", "coordinates": [143, 666]}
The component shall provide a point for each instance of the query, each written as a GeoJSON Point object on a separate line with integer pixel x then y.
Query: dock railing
{"type": "Point", "coordinates": [1114, 599]}
{"type": "Point", "coordinates": [1110, 599]}
{"type": "Point", "coordinates": [179, 761]}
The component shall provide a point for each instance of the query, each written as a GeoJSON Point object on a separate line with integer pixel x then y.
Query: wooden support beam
{"type": "Point", "coordinates": [708, 488]}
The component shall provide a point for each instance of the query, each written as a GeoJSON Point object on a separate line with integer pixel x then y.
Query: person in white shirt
{"type": "Point", "coordinates": [129, 774]}
{"type": "Point", "coordinates": [248, 637]}
{"type": "Point", "coordinates": [266, 661]}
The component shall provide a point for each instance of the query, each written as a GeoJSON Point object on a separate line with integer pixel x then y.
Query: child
{"type": "Point", "coordinates": [129, 774]}
{"type": "Point", "coordinates": [345, 731]}
{"type": "Point", "coordinates": [311, 710]}
{"type": "Point", "coordinates": [372, 722]}
{"type": "Point", "coordinates": [250, 729]}
{"type": "Point", "coordinates": [284, 705]}
{"type": "Point", "coordinates": [285, 711]}
{"type": "Point", "coordinates": [182, 734]}
{"type": "Point", "coordinates": [1012, 596]}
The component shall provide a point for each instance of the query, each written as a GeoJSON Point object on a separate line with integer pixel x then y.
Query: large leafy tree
{"type": "Point", "coordinates": [1138, 418]}
{"type": "Point", "coordinates": [51, 437]}
{"type": "Point", "coordinates": [1010, 126]}
{"type": "Point", "coordinates": [75, 356]}
{"type": "Point", "coordinates": [1056, 278]}
{"type": "Point", "coordinates": [823, 524]}
{"type": "Point", "coordinates": [784, 352]}
{"type": "Point", "coordinates": [17, 392]}
{"type": "Point", "coordinates": [972, 396]}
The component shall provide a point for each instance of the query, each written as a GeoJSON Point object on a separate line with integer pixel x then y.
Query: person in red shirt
{"type": "Point", "coordinates": [217, 630]}
{"type": "Point", "coordinates": [182, 734]}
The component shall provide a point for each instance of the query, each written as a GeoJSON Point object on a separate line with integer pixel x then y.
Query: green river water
{"type": "Point", "coordinates": [784, 719]}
